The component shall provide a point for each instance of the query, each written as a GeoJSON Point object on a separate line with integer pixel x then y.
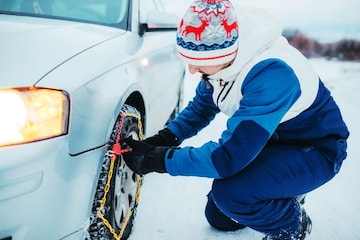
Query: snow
{"type": "Point", "coordinates": [173, 207]}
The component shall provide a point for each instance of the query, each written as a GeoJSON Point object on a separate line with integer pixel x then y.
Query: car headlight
{"type": "Point", "coordinates": [32, 114]}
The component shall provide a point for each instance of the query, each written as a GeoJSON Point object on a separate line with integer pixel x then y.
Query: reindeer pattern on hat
{"type": "Point", "coordinates": [208, 25]}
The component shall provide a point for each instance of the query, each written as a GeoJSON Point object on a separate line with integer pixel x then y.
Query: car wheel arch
{"type": "Point", "coordinates": [136, 100]}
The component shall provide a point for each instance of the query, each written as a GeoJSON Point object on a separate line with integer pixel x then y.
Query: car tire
{"type": "Point", "coordinates": [118, 188]}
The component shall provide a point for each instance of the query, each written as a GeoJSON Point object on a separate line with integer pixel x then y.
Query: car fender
{"type": "Point", "coordinates": [98, 84]}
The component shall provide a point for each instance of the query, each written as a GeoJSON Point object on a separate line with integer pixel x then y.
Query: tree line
{"type": "Point", "coordinates": [344, 50]}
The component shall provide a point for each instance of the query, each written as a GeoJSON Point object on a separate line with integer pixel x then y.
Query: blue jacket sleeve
{"type": "Point", "coordinates": [268, 91]}
{"type": "Point", "coordinates": [198, 113]}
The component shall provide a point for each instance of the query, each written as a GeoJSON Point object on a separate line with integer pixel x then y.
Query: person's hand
{"type": "Point", "coordinates": [144, 158]}
{"type": "Point", "coordinates": [163, 138]}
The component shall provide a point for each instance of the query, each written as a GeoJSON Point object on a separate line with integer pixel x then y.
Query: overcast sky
{"type": "Point", "coordinates": [310, 11]}
{"type": "Point", "coordinates": [321, 18]}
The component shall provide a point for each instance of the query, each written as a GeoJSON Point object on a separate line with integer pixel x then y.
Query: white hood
{"type": "Point", "coordinates": [32, 47]}
{"type": "Point", "coordinates": [258, 30]}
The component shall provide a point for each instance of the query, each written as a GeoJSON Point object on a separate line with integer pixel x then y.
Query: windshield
{"type": "Point", "coordinates": [106, 12]}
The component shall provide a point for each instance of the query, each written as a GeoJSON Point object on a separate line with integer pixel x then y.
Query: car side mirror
{"type": "Point", "coordinates": [160, 21]}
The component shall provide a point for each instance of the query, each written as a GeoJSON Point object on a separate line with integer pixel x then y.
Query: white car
{"type": "Point", "coordinates": [77, 77]}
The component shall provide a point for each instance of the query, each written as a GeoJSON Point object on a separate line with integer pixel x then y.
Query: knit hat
{"type": "Point", "coordinates": [208, 33]}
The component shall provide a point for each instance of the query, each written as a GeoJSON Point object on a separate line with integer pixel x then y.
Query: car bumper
{"type": "Point", "coordinates": [44, 192]}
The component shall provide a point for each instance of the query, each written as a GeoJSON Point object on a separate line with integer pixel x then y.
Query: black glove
{"type": "Point", "coordinates": [144, 158]}
{"type": "Point", "coordinates": [163, 138]}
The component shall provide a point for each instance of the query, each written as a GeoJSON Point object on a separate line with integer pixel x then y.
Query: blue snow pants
{"type": "Point", "coordinates": [262, 195]}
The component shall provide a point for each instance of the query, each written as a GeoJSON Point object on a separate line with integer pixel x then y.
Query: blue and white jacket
{"type": "Point", "coordinates": [270, 93]}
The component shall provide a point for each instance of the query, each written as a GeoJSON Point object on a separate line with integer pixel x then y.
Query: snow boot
{"type": "Point", "coordinates": [306, 228]}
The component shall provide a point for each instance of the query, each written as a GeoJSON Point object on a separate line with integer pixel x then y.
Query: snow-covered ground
{"type": "Point", "coordinates": [173, 207]}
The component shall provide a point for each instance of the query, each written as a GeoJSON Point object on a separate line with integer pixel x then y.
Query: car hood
{"type": "Point", "coordinates": [32, 47]}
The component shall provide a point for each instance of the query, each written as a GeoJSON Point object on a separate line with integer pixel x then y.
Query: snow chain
{"type": "Point", "coordinates": [117, 151]}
